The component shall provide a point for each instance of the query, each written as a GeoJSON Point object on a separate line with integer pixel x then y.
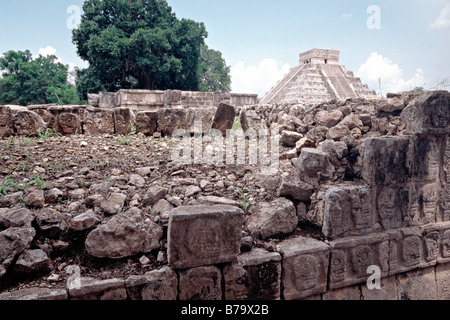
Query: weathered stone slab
{"type": "Point", "coordinates": [388, 160]}
{"type": "Point", "coordinates": [202, 283]}
{"type": "Point", "coordinates": [159, 284]}
{"type": "Point", "coordinates": [443, 281]}
{"type": "Point", "coordinates": [98, 121]}
{"type": "Point", "coordinates": [256, 276]}
{"type": "Point", "coordinates": [428, 114]}
{"type": "Point", "coordinates": [387, 290]}
{"type": "Point", "coordinates": [12, 218]}
{"type": "Point", "coordinates": [124, 120]}
{"type": "Point", "coordinates": [199, 120]}
{"type": "Point", "coordinates": [171, 119]}
{"type": "Point", "coordinates": [224, 118]}
{"type": "Point", "coordinates": [426, 159]}
{"type": "Point", "coordinates": [67, 120]}
{"type": "Point", "coordinates": [292, 187]}
{"type": "Point", "coordinates": [203, 235]}
{"type": "Point", "coordinates": [417, 285]}
{"type": "Point", "coordinates": [83, 288]}
{"type": "Point", "coordinates": [124, 235]}
{"type": "Point", "coordinates": [305, 267]}
{"type": "Point", "coordinates": [147, 122]}
{"type": "Point", "coordinates": [12, 242]}
{"type": "Point", "coordinates": [314, 166]}
{"type": "Point", "coordinates": [35, 294]}
{"type": "Point", "coordinates": [273, 219]}
{"type": "Point", "coordinates": [347, 211]}
{"type": "Point", "coordinates": [393, 205]}
{"type": "Point", "coordinates": [26, 122]}
{"type": "Point", "coordinates": [350, 258]}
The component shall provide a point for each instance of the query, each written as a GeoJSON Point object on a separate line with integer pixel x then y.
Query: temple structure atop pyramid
{"type": "Point", "coordinates": [318, 78]}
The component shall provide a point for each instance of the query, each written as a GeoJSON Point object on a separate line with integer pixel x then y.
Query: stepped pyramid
{"type": "Point", "coordinates": [317, 79]}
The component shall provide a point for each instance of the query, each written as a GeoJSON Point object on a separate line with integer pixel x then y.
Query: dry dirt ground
{"type": "Point", "coordinates": [75, 163]}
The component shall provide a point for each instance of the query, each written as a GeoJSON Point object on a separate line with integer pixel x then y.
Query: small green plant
{"type": "Point", "coordinates": [9, 142]}
{"type": "Point", "coordinates": [23, 166]}
{"type": "Point", "coordinates": [236, 124]}
{"type": "Point", "coordinates": [152, 211]}
{"type": "Point", "coordinates": [243, 198]}
{"type": "Point", "coordinates": [125, 140]}
{"type": "Point", "coordinates": [46, 134]}
{"type": "Point", "coordinates": [7, 182]}
{"type": "Point", "coordinates": [41, 183]}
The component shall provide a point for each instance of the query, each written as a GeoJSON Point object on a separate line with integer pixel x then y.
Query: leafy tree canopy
{"type": "Point", "coordinates": [34, 81]}
{"type": "Point", "coordinates": [213, 72]}
{"type": "Point", "coordinates": [138, 44]}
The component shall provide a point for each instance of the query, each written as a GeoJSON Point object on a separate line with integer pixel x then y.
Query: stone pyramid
{"type": "Point", "coordinates": [319, 78]}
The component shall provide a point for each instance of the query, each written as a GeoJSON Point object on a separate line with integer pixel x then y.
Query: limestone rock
{"type": "Point", "coordinates": [203, 235]}
{"type": "Point", "coordinates": [35, 294]}
{"type": "Point", "coordinates": [124, 120]}
{"type": "Point", "coordinates": [305, 267]}
{"type": "Point", "coordinates": [153, 194]}
{"type": "Point", "coordinates": [13, 218]}
{"type": "Point", "coordinates": [114, 204]}
{"type": "Point", "coordinates": [293, 188]}
{"type": "Point", "coordinates": [273, 219]}
{"type": "Point", "coordinates": [199, 120]}
{"type": "Point", "coordinates": [12, 242]}
{"type": "Point", "coordinates": [338, 132]}
{"type": "Point", "coordinates": [202, 283]}
{"type": "Point", "coordinates": [98, 121]}
{"type": "Point", "coordinates": [51, 222]}
{"type": "Point", "coordinates": [124, 235]}
{"type": "Point", "coordinates": [290, 138]}
{"type": "Point", "coordinates": [170, 120]}
{"type": "Point", "coordinates": [224, 118]}
{"type": "Point", "coordinates": [26, 122]}
{"type": "Point", "coordinates": [31, 261]}
{"type": "Point", "coordinates": [314, 166]}
{"type": "Point", "coordinates": [137, 180]}
{"type": "Point", "coordinates": [155, 285]}
{"type": "Point", "coordinates": [35, 199]}
{"type": "Point", "coordinates": [147, 122]}
{"type": "Point", "coordinates": [84, 221]}
{"type": "Point", "coordinates": [67, 120]}
{"type": "Point", "coordinates": [329, 119]}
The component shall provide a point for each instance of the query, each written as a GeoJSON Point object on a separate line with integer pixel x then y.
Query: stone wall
{"type": "Point", "coordinates": [370, 179]}
{"type": "Point", "coordinates": [142, 100]}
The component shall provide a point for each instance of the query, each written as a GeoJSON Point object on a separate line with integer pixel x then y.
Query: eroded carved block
{"type": "Point", "coordinates": [428, 114]}
{"type": "Point", "coordinates": [426, 157]}
{"type": "Point", "coordinates": [388, 160]}
{"type": "Point", "coordinates": [347, 211]}
{"type": "Point", "coordinates": [98, 121]}
{"type": "Point", "coordinates": [305, 267]}
{"type": "Point", "coordinates": [203, 235]}
{"type": "Point", "coordinates": [255, 276]}
{"type": "Point", "coordinates": [392, 206]}
{"type": "Point", "coordinates": [202, 283]}
{"type": "Point", "coordinates": [350, 258]}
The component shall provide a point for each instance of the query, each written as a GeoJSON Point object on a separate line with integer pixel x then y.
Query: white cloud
{"type": "Point", "coordinates": [443, 21]}
{"type": "Point", "coordinates": [378, 67]}
{"type": "Point", "coordinates": [257, 79]}
{"type": "Point", "coordinates": [47, 51]}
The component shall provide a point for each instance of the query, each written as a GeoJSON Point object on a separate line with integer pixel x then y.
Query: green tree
{"type": "Point", "coordinates": [213, 72]}
{"type": "Point", "coordinates": [138, 45]}
{"type": "Point", "coordinates": [34, 81]}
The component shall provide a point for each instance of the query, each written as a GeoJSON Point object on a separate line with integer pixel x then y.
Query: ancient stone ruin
{"type": "Point", "coordinates": [362, 189]}
{"type": "Point", "coordinates": [318, 78]}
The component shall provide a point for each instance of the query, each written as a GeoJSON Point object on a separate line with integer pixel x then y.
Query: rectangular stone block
{"type": "Point", "coordinates": [305, 267]}
{"type": "Point", "coordinates": [393, 205]}
{"type": "Point", "coordinates": [426, 158]}
{"type": "Point", "coordinates": [388, 160]}
{"type": "Point", "coordinates": [202, 283]}
{"type": "Point", "coordinates": [98, 121]}
{"type": "Point", "coordinates": [428, 114]}
{"type": "Point", "coordinates": [407, 250]}
{"type": "Point", "coordinates": [443, 281]}
{"type": "Point", "coordinates": [350, 258]}
{"type": "Point", "coordinates": [417, 285]}
{"type": "Point", "coordinates": [159, 284]}
{"type": "Point", "coordinates": [204, 235]}
{"type": "Point", "coordinates": [347, 211]}
{"type": "Point", "coordinates": [255, 276]}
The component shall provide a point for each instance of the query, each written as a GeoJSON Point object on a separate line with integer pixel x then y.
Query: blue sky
{"type": "Point", "coordinates": [261, 39]}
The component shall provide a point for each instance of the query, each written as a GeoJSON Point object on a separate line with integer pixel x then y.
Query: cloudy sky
{"type": "Point", "coordinates": [401, 44]}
